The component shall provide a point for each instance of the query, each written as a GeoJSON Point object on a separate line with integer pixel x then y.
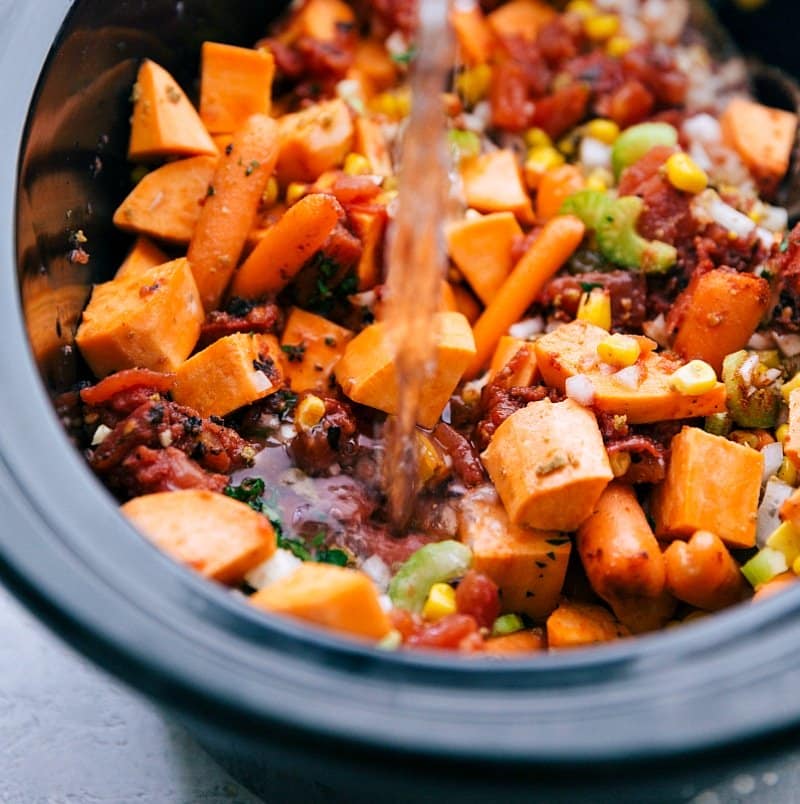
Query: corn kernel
{"type": "Point", "coordinates": [796, 566]}
{"type": "Point", "coordinates": [790, 386]}
{"type": "Point", "coordinates": [618, 46]}
{"type": "Point", "coordinates": [619, 350]}
{"type": "Point", "coordinates": [785, 539]}
{"type": "Point", "coordinates": [696, 377]}
{"type": "Point", "coordinates": [309, 413]}
{"type": "Point", "coordinates": [540, 159]}
{"type": "Point", "coordinates": [295, 191]}
{"type": "Point", "coordinates": [599, 179]}
{"type": "Point", "coordinates": [473, 84]}
{"type": "Point", "coordinates": [430, 461]}
{"type": "Point", "coordinates": [357, 165]}
{"type": "Point", "coordinates": [568, 145]}
{"type": "Point", "coordinates": [536, 138]}
{"type": "Point", "coordinates": [601, 27]}
{"type": "Point", "coordinates": [787, 472]}
{"type": "Point", "coordinates": [606, 131]}
{"type": "Point", "coordinates": [271, 192]}
{"type": "Point", "coordinates": [394, 105]}
{"type": "Point", "coordinates": [441, 602]}
{"type": "Point", "coordinates": [685, 174]}
{"type": "Point", "coordinates": [581, 8]}
{"type": "Point", "coordinates": [595, 308]}
{"type": "Point", "coordinates": [620, 463]}
{"type": "Point", "coordinates": [782, 433]}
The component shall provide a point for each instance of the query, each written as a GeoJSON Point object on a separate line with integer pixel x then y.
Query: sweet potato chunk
{"type": "Point", "coordinates": [234, 371]}
{"type": "Point", "coordinates": [549, 465]}
{"type": "Point", "coordinates": [334, 597]}
{"type": "Point", "coordinates": [523, 18]}
{"type": "Point", "coordinates": [572, 349]}
{"type": "Point", "coordinates": [515, 645]}
{"type": "Point", "coordinates": [792, 446]}
{"type": "Point", "coordinates": [367, 375]}
{"type": "Point", "coordinates": [235, 82]}
{"type": "Point", "coordinates": [527, 565]}
{"type": "Point", "coordinates": [369, 226]}
{"type": "Point", "coordinates": [219, 537]}
{"type": "Point", "coordinates": [370, 142]}
{"type": "Point", "coordinates": [508, 348]}
{"type": "Point", "coordinates": [712, 484]}
{"type": "Point", "coordinates": [164, 122]}
{"type": "Point", "coordinates": [149, 319]}
{"type": "Point", "coordinates": [476, 39]}
{"type": "Point", "coordinates": [312, 346]}
{"type": "Point", "coordinates": [166, 203]}
{"type": "Point", "coordinates": [143, 255]}
{"type": "Point", "coordinates": [573, 625]}
{"type": "Point", "coordinates": [493, 183]}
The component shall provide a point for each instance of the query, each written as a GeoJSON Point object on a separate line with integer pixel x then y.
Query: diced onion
{"type": "Point", "coordinates": [774, 219]}
{"type": "Point", "coordinates": [526, 328]}
{"type": "Point", "coordinates": [761, 341]}
{"type": "Point", "coordinates": [729, 218]}
{"type": "Point", "coordinates": [100, 435]}
{"type": "Point", "coordinates": [657, 330]}
{"type": "Point", "coordinates": [775, 493]}
{"type": "Point", "coordinates": [788, 344]}
{"type": "Point", "coordinates": [279, 565]}
{"type": "Point", "coordinates": [594, 153]}
{"type": "Point", "coordinates": [629, 377]}
{"type": "Point", "coordinates": [379, 571]}
{"type": "Point", "coordinates": [703, 128]}
{"type": "Point", "coordinates": [700, 157]}
{"type": "Point", "coordinates": [773, 457]}
{"type": "Point", "coordinates": [580, 389]}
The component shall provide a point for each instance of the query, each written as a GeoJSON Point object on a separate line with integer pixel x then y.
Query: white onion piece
{"type": "Point", "coordinates": [761, 341]}
{"type": "Point", "coordinates": [594, 153]}
{"type": "Point", "coordinates": [657, 330]}
{"type": "Point", "coordinates": [700, 157]}
{"type": "Point", "coordinates": [728, 217]}
{"type": "Point", "coordinates": [765, 236]}
{"type": "Point", "coordinates": [788, 344]}
{"type": "Point", "coordinates": [769, 519]}
{"type": "Point", "coordinates": [773, 457]}
{"type": "Point", "coordinates": [379, 571]}
{"type": "Point", "coordinates": [775, 219]}
{"type": "Point", "coordinates": [279, 565]}
{"type": "Point", "coordinates": [527, 328]}
{"type": "Point", "coordinates": [703, 128]}
{"type": "Point", "coordinates": [747, 369]}
{"type": "Point", "coordinates": [580, 389]}
{"type": "Point", "coordinates": [100, 434]}
{"type": "Point", "coordinates": [483, 112]}
{"type": "Point", "coordinates": [629, 377]}
{"type": "Point", "coordinates": [396, 43]}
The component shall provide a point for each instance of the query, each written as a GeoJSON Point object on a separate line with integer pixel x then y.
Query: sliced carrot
{"type": "Point", "coordinates": [370, 226]}
{"type": "Point", "coordinates": [552, 248]}
{"type": "Point", "coordinates": [493, 183]}
{"type": "Point", "coordinates": [778, 584]}
{"type": "Point", "coordinates": [125, 380]}
{"type": "Point", "coordinates": [555, 186]}
{"type": "Point", "coordinates": [509, 347]}
{"type": "Point", "coordinates": [370, 142]}
{"type": "Point", "coordinates": [574, 625]}
{"type": "Point", "coordinates": [287, 246]}
{"type": "Point", "coordinates": [167, 202]}
{"type": "Point", "coordinates": [235, 82]}
{"type": "Point", "coordinates": [516, 644]}
{"type": "Point", "coordinates": [143, 255]}
{"type": "Point", "coordinates": [164, 122]}
{"type": "Point", "coordinates": [230, 208]}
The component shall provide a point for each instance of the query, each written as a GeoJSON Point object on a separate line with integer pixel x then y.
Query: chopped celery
{"type": "Point", "coordinates": [591, 206]}
{"type": "Point", "coordinates": [464, 144]}
{"type": "Point", "coordinates": [636, 141]}
{"type": "Point", "coordinates": [507, 624]}
{"type": "Point", "coordinates": [764, 566]}
{"type": "Point", "coordinates": [439, 562]}
{"type": "Point", "coordinates": [753, 401]}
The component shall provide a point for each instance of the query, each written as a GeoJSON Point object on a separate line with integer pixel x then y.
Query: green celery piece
{"type": "Point", "coordinates": [636, 141]}
{"type": "Point", "coordinates": [439, 562]}
{"type": "Point", "coordinates": [507, 624]}
{"type": "Point", "coordinates": [464, 144]}
{"type": "Point", "coordinates": [764, 566]}
{"type": "Point", "coordinates": [591, 206]}
{"type": "Point", "coordinates": [748, 407]}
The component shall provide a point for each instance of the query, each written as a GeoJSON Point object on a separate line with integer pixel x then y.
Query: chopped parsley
{"type": "Point", "coordinates": [294, 351]}
{"type": "Point", "coordinates": [406, 57]}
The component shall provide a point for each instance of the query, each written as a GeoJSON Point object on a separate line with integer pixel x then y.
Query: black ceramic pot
{"type": "Point", "coordinates": [639, 720]}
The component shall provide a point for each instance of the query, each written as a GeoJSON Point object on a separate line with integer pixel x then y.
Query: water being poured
{"type": "Point", "coordinates": [416, 255]}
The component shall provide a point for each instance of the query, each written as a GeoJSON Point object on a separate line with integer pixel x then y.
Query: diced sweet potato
{"type": "Point", "coordinates": [476, 39]}
{"type": "Point", "coordinates": [314, 140]}
{"type": "Point", "coordinates": [527, 565]}
{"type": "Point", "coordinates": [792, 445]}
{"type": "Point", "coordinates": [369, 226]}
{"type": "Point", "coordinates": [515, 645]}
{"type": "Point", "coordinates": [373, 62]}
{"type": "Point", "coordinates": [166, 203]}
{"type": "Point", "coordinates": [287, 246]}
{"type": "Point", "coordinates": [493, 183]}
{"type": "Point", "coordinates": [780, 583]}
{"type": "Point", "coordinates": [313, 346]}
{"type": "Point", "coordinates": [465, 302]}
{"type": "Point", "coordinates": [334, 597]}
{"type": "Point", "coordinates": [370, 142]}
{"type": "Point", "coordinates": [712, 484]}
{"type": "Point", "coordinates": [164, 122]}
{"type": "Point", "coordinates": [150, 319]}
{"type": "Point", "coordinates": [143, 255]}
{"type": "Point", "coordinates": [642, 614]}
{"type": "Point", "coordinates": [234, 371]}
{"type": "Point", "coordinates": [721, 313]}
{"type": "Point", "coordinates": [790, 510]}
{"type": "Point", "coordinates": [573, 625]}
{"type": "Point", "coordinates": [507, 348]}
{"type": "Point", "coordinates": [763, 137]}
{"type": "Point", "coordinates": [218, 536]}
{"type": "Point", "coordinates": [572, 349]}
{"type": "Point", "coordinates": [481, 248]}
{"type": "Point", "coordinates": [367, 375]}
{"type": "Point", "coordinates": [549, 465]}
{"type": "Point", "coordinates": [323, 20]}
{"type": "Point", "coordinates": [235, 82]}
{"type": "Point", "coordinates": [523, 18]}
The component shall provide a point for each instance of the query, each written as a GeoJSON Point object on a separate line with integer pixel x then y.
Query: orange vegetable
{"type": "Point", "coordinates": [150, 319]}
{"type": "Point", "coordinates": [167, 202]}
{"type": "Point", "coordinates": [230, 210]}
{"type": "Point", "coordinates": [712, 484]}
{"type": "Point", "coordinates": [642, 614]}
{"type": "Point", "coordinates": [476, 39]}
{"type": "Point", "coordinates": [234, 371]}
{"type": "Point", "coordinates": [792, 446]}
{"type": "Point", "coordinates": [313, 346]}
{"type": "Point", "coordinates": [367, 375]}
{"type": "Point", "coordinates": [493, 183]}
{"type": "Point", "coordinates": [126, 380]}
{"type": "Point", "coordinates": [374, 63]}
{"type": "Point", "coordinates": [287, 246]}
{"type": "Point", "coordinates": [324, 20]}
{"type": "Point", "coordinates": [702, 572]}
{"type": "Point", "coordinates": [334, 597]}
{"type": "Point", "coordinates": [722, 311]}
{"type": "Point", "coordinates": [235, 82]}
{"type": "Point", "coordinates": [790, 510]}
{"type": "Point", "coordinates": [571, 349]}
{"type": "Point", "coordinates": [369, 226]}
{"type": "Point", "coordinates": [143, 255]}
{"type": "Point", "coordinates": [164, 122]}
{"type": "Point", "coordinates": [549, 465]}
{"type": "Point", "coordinates": [552, 248]}
{"type": "Point", "coordinates": [508, 348]}
{"type": "Point", "coordinates": [465, 302]}
{"type": "Point", "coordinates": [555, 186]}
{"type": "Point", "coordinates": [527, 565]}
{"type": "Point", "coordinates": [216, 535]}
{"type": "Point", "coordinates": [523, 18]}
{"type": "Point", "coordinates": [314, 140]}
{"type": "Point", "coordinates": [763, 137]}
{"type": "Point", "coordinates": [515, 644]}
{"type": "Point", "coordinates": [481, 248]}
{"type": "Point", "coordinates": [573, 625]}
{"type": "Point", "coordinates": [370, 142]}
{"type": "Point", "coordinates": [448, 300]}
{"type": "Point", "coordinates": [778, 584]}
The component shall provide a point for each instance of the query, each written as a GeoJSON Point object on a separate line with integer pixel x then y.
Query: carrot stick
{"type": "Point", "coordinates": [556, 243]}
{"type": "Point", "coordinates": [230, 208]}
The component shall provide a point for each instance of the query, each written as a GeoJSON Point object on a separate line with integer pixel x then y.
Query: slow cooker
{"type": "Point", "coordinates": [293, 708]}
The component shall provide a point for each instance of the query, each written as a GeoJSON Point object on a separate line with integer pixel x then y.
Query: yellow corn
{"type": "Point", "coordinates": [790, 386]}
{"type": "Point", "coordinates": [473, 84]}
{"type": "Point", "coordinates": [540, 159]}
{"type": "Point", "coordinates": [271, 192]}
{"type": "Point", "coordinates": [536, 138]}
{"type": "Point", "coordinates": [599, 179]}
{"type": "Point", "coordinates": [782, 433]}
{"type": "Point", "coordinates": [595, 307]}
{"type": "Point", "coordinates": [601, 27]}
{"type": "Point", "coordinates": [567, 145]}
{"type": "Point", "coordinates": [696, 377]}
{"type": "Point", "coordinates": [309, 413]}
{"type": "Point", "coordinates": [787, 472]}
{"type": "Point", "coordinates": [685, 174]}
{"type": "Point", "coordinates": [618, 46]}
{"type": "Point", "coordinates": [431, 463]}
{"type": "Point", "coordinates": [441, 602]}
{"type": "Point", "coordinates": [796, 566]}
{"type": "Point", "coordinates": [295, 191]}
{"type": "Point", "coordinates": [619, 350]}
{"type": "Point", "coordinates": [357, 165]}
{"type": "Point", "coordinates": [620, 463]}
{"type": "Point", "coordinates": [604, 130]}
{"type": "Point", "coordinates": [785, 539]}
{"type": "Point", "coordinates": [395, 105]}
{"type": "Point", "coordinates": [582, 8]}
